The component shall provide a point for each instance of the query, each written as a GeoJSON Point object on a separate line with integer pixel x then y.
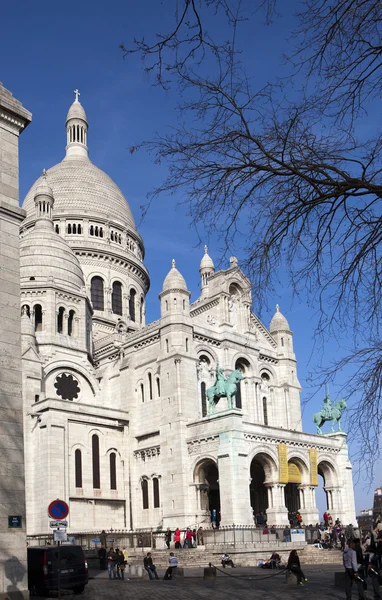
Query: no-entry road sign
{"type": "Point", "coordinates": [58, 509]}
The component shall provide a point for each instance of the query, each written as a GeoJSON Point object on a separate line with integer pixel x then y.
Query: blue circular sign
{"type": "Point", "coordinates": [58, 509]}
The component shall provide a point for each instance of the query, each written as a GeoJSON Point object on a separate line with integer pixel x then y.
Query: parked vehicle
{"type": "Point", "coordinates": [44, 564]}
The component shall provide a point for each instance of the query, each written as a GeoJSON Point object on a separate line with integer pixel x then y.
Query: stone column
{"type": "Point", "coordinates": [308, 508]}
{"type": "Point", "coordinates": [277, 513]}
{"type": "Point", "coordinates": [13, 566]}
{"type": "Point", "coordinates": [235, 502]}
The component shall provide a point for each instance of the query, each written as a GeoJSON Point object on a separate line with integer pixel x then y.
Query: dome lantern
{"type": "Point", "coordinates": [76, 130]}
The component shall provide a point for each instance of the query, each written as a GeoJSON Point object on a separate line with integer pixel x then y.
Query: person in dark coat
{"type": "Point", "coordinates": [149, 566]}
{"type": "Point", "coordinates": [167, 537]}
{"type": "Point", "coordinates": [295, 567]}
{"type": "Point", "coordinates": [102, 558]}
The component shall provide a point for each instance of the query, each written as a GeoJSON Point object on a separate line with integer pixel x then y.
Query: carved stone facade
{"type": "Point", "coordinates": [116, 410]}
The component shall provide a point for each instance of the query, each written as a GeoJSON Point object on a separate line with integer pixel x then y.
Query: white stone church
{"type": "Point", "coordinates": [116, 419]}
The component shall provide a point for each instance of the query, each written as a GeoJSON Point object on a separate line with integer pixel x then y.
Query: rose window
{"type": "Point", "coordinates": [67, 387]}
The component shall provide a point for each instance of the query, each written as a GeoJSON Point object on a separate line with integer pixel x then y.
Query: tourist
{"type": "Point", "coordinates": [227, 561]}
{"type": "Point", "coordinates": [373, 571]}
{"type": "Point", "coordinates": [173, 564]}
{"type": "Point", "coordinates": [200, 538]}
{"type": "Point", "coordinates": [125, 555]}
{"type": "Point", "coordinates": [299, 520]}
{"type": "Point", "coordinates": [275, 560]}
{"type": "Point", "coordinates": [111, 563]}
{"type": "Point", "coordinates": [361, 568]}
{"type": "Point", "coordinates": [295, 567]}
{"type": "Point", "coordinates": [188, 538]}
{"type": "Point", "coordinates": [167, 537]}
{"type": "Point", "coordinates": [149, 566]}
{"type": "Point", "coordinates": [286, 534]}
{"type": "Point", "coordinates": [194, 538]}
{"type": "Point", "coordinates": [351, 570]}
{"type": "Point", "coordinates": [120, 564]}
{"type": "Point", "coordinates": [102, 558]}
{"type": "Point", "coordinates": [177, 538]}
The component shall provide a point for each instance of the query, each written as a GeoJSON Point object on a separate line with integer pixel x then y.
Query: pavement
{"type": "Point", "coordinates": [246, 583]}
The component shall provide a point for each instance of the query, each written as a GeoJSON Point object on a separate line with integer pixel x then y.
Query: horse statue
{"type": "Point", "coordinates": [330, 413]}
{"type": "Point", "coordinates": [223, 388]}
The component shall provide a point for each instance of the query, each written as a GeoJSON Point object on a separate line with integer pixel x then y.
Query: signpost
{"type": "Point", "coordinates": [15, 521]}
{"type": "Point", "coordinates": [59, 510]}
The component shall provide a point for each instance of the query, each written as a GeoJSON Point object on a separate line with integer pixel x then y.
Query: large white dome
{"type": "Point", "coordinates": [82, 189]}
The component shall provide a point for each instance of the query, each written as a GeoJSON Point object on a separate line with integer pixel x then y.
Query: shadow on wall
{"type": "Point", "coordinates": [15, 574]}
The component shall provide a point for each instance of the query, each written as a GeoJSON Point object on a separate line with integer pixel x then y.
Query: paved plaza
{"type": "Point", "coordinates": [246, 584]}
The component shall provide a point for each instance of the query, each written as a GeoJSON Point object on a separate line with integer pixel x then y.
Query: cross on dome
{"type": "Point", "coordinates": [205, 249]}
{"type": "Point", "coordinates": [77, 93]}
{"type": "Point", "coordinates": [277, 308]}
{"type": "Point", "coordinates": [173, 263]}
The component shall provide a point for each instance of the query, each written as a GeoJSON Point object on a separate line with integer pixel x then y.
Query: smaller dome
{"type": "Point", "coordinates": [43, 188]}
{"type": "Point", "coordinates": [174, 280]}
{"type": "Point", "coordinates": [278, 322]}
{"type": "Point", "coordinates": [206, 262]}
{"type": "Point", "coordinates": [76, 111]}
{"type": "Point", "coordinates": [46, 257]}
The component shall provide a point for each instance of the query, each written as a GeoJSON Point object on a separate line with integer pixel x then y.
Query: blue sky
{"type": "Point", "coordinates": [48, 49]}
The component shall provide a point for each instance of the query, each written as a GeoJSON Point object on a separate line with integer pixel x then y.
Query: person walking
{"type": "Point", "coordinates": [167, 537]}
{"type": "Point", "coordinates": [360, 580]}
{"type": "Point", "coordinates": [295, 567]}
{"type": "Point", "coordinates": [188, 538]}
{"type": "Point", "coordinates": [177, 538]}
{"type": "Point", "coordinates": [111, 562]}
{"type": "Point", "coordinates": [173, 564]}
{"type": "Point", "coordinates": [349, 560]}
{"type": "Point", "coordinates": [149, 566]}
{"type": "Point", "coordinates": [374, 572]}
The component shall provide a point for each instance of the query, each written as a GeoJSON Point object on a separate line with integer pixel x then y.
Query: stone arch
{"type": "Point", "coordinates": [268, 462]}
{"type": "Point", "coordinates": [328, 471]}
{"type": "Point", "coordinates": [302, 465]}
{"type": "Point", "coordinates": [88, 383]}
{"type": "Point", "coordinates": [206, 481]}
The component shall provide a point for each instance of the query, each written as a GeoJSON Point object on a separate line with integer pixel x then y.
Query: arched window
{"type": "Point", "coordinates": [184, 305]}
{"type": "Point", "coordinates": [167, 347]}
{"type": "Point", "coordinates": [174, 302]}
{"type": "Point", "coordinates": [150, 386]}
{"type": "Point", "coordinates": [101, 232]}
{"type": "Point", "coordinates": [78, 468]}
{"type": "Point", "coordinates": [96, 293]}
{"type": "Point", "coordinates": [265, 411]}
{"type": "Point", "coordinates": [242, 365]}
{"type": "Point", "coordinates": [133, 294]}
{"type": "Point", "coordinates": [156, 492]}
{"type": "Point", "coordinates": [91, 230]}
{"type": "Point", "coordinates": [145, 493]}
{"type": "Point", "coordinates": [112, 236]}
{"type": "Point", "coordinates": [60, 319]}
{"type": "Point", "coordinates": [186, 344]}
{"type": "Point", "coordinates": [69, 228]}
{"type": "Point", "coordinates": [71, 322]}
{"type": "Point", "coordinates": [141, 311]}
{"type": "Point", "coordinates": [95, 459]}
{"type": "Point", "coordinates": [79, 230]}
{"type": "Point", "coordinates": [74, 228]}
{"type": "Point", "coordinates": [158, 387]}
{"type": "Point", "coordinates": [96, 231]}
{"type": "Point", "coordinates": [142, 392]}
{"type": "Point", "coordinates": [113, 471]}
{"type": "Point", "coordinates": [166, 304]}
{"type": "Point", "coordinates": [116, 298]}
{"type": "Point", "coordinates": [204, 399]}
{"type": "Point", "coordinates": [37, 317]}
{"type": "Point", "coordinates": [57, 229]}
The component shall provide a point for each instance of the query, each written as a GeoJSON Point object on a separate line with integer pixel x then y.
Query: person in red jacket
{"type": "Point", "coordinates": [189, 537]}
{"type": "Point", "coordinates": [177, 538]}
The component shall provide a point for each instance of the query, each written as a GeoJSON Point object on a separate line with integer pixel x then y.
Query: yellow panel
{"type": "Point", "coordinates": [283, 462]}
{"type": "Point", "coordinates": [294, 473]}
{"type": "Point", "coordinates": [313, 466]}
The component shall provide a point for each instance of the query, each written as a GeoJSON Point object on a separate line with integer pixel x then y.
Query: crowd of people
{"type": "Point", "coordinates": [190, 538]}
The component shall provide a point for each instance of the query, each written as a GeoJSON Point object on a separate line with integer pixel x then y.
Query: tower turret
{"type": "Point", "coordinates": [206, 269]}
{"type": "Point", "coordinates": [175, 297]}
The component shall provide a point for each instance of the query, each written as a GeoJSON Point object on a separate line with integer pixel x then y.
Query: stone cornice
{"type": "Point", "coordinates": [12, 111]}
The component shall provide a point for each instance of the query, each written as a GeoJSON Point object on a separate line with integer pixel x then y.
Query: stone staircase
{"type": "Point", "coordinates": [314, 556]}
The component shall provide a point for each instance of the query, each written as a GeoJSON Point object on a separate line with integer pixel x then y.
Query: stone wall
{"type": "Point", "coordinates": [13, 571]}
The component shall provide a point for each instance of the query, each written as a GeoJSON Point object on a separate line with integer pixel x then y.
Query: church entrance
{"type": "Point", "coordinates": [292, 494]}
{"type": "Point", "coordinates": [206, 478]}
{"type": "Point", "coordinates": [257, 489]}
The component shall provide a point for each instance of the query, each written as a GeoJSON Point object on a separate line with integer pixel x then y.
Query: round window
{"type": "Point", "coordinates": [67, 387]}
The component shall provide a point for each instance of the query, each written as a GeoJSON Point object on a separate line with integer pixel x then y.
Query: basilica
{"type": "Point", "coordinates": [119, 417]}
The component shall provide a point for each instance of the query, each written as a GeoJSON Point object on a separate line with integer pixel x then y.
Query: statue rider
{"type": "Point", "coordinates": [220, 381]}
{"type": "Point", "coordinates": [327, 408]}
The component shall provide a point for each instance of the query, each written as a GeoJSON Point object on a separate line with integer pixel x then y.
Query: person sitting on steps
{"type": "Point", "coordinates": [227, 560]}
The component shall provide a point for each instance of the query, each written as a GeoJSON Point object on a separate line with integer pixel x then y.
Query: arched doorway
{"type": "Point", "coordinates": [292, 495]}
{"type": "Point", "coordinates": [206, 478]}
{"type": "Point", "coordinates": [330, 492]}
{"type": "Point", "coordinates": [257, 489]}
